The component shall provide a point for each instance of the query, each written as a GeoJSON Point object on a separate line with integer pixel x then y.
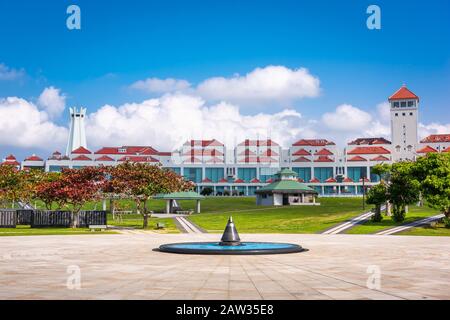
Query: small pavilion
{"type": "Point", "coordinates": [286, 190]}
{"type": "Point", "coordinates": [171, 199]}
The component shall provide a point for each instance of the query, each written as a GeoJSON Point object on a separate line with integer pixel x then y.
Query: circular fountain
{"type": "Point", "coordinates": [231, 244]}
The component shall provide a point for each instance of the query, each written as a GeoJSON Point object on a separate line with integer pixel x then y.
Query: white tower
{"type": "Point", "coordinates": [77, 135]}
{"type": "Point", "coordinates": [404, 117]}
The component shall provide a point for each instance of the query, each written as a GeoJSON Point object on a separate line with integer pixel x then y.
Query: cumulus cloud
{"type": "Point", "coordinates": [52, 101]}
{"type": "Point", "coordinates": [347, 118]}
{"type": "Point", "coordinates": [272, 83]}
{"type": "Point", "coordinates": [433, 128]}
{"type": "Point", "coordinates": [169, 121]}
{"type": "Point", "coordinates": [155, 85]}
{"type": "Point", "coordinates": [7, 73]}
{"type": "Point", "coordinates": [262, 85]}
{"type": "Point", "coordinates": [22, 124]}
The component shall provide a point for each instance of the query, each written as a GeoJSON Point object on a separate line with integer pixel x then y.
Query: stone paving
{"type": "Point", "coordinates": [125, 267]}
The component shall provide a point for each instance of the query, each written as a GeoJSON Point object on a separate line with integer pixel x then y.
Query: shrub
{"type": "Point", "coordinates": [446, 222]}
{"type": "Point", "coordinates": [399, 214]}
{"type": "Point", "coordinates": [207, 191]}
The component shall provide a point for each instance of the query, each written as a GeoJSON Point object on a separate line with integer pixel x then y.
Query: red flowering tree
{"type": "Point", "coordinates": [141, 181]}
{"type": "Point", "coordinates": [11, 186]}
{"type": "Point", "coordinates": [72, 188]}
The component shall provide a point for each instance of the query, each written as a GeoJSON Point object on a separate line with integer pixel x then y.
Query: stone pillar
{"type": "Point", "coordinates": [314, 199]}
{"type": "Point", "coordinates": [303, 198]}
{"type": "Point", "coordinates": [168, 206]}
{"type": "Point", "coordinates": [104, 205]}
{"type": "Point", "coordinates": [323, 190]}
{"type": "Point", "coordinates": [198, 207]}
{"type": "Point", "coordinates": [246, 190]}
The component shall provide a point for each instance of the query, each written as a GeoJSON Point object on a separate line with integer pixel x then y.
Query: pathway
{"type": "Point", "coordinates": [410, 225]}
{"type": "Point", "coordinates": [188, 226]}
{"type": "Point", "coordinates": [340, 228]}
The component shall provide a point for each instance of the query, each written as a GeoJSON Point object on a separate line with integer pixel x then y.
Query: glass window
{"type": "Point", "coordinates": [214, 174]}
{"type": "Point", "coordinates": [403, 104]}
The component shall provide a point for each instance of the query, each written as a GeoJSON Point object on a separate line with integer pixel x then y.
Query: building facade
{"type": "Point", "coordinates": [252, 164]}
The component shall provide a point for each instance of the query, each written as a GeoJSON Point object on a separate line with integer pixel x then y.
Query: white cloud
{"type": "Point", "coordinates": [167, 122]}
{"type": "Point", "coordinates": [433, 128]}
{"type": "Point", "coordinates": [52, 101]}
{"type": "Point", "coordinates": [269, 84]}
{"type": "Point", "coordinates": [155, 85]}
{"type": "Point", "coordinates": [23, 125]}
{"type": "Point", "coordinates": [7, 73]}
{"type": "Point", "coordinates": [347, 118]}
{"type": "Point", "coordinates": [384, 112]}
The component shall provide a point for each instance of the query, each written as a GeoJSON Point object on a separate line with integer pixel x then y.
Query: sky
{"type": "Point", "coordinates": [161, 72]}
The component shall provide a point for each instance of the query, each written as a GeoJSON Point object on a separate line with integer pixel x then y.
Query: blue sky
{"type": "Point", "coordinates": [122, 42]}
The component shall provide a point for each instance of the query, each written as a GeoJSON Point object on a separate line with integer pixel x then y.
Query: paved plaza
{"type": "Point", "coordinates": [126, 267]}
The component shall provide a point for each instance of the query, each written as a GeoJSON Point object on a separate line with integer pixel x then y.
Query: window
{"type": "Point", "coordinates": [396, 104]}
{"type": "Point", "coordinates": [403, 114]}
{"type": "Point", "coordinates": [403, 104]}
{"type": "Point", "coordinates": [396, 114]}
{"type": "Point", "coordinates": [411, 103]}
{"type": "Point", "coordinates": [410, 113]}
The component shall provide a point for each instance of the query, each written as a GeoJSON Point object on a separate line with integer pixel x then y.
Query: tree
{"type": "Point", "coordinates": [403, 189]}
{"type": "Point", "coordinates": [11, 184]}
{"type": "Point", "coordinates": [207, 191]}
{"type": "Point", "coordinates": [382, 170]}
{"type": "Point", "coordinates": [377, 195]}
{"type": "Point", "coordinates": [141, 181]}
{"type": "Point", "coordinates": [72, 188]}
{"type": "Point", "coordinates": [433, 173]}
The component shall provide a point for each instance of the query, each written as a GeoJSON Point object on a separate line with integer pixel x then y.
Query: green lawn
{"type": "Point", "coordinates": [439, 230]}
{"type": "Point", "coordinates": [250, 218]}
{"type": "Point", "coordinates": [27, 231]}
{"type": "Point", "coordinates": [415, 213]}
{"type": "Point", "coordinates": [136, 221]}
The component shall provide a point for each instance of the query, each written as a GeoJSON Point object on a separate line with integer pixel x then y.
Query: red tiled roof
{"type": "Point", "coordinates": [165, 154]}
{"type": "Point", "coordinates": [247, 152]}
{"type": "Point", "coordinates": [323, 152]}
{"type": "Point", "coordinates": [269, 181]}
{"type": "Point", "coordinates": [330, 180]}
{"type": "Point", "coordinates": [402, 94]}
{"type": "Point", "coordinates": [323, 159]}
{"type": "Point", "coordinates": [446, 150]}
{"type": "Point", "coordinates": [138, 159]}
{"type": "Point", "coordinates": [11, 157]}
{"type": "Point", "coordinates": [203, 143]}
{"type": "Point", "coordinates": [369, 141]}
{"type": "Point", "coordinates": [348, 180]}
{"type": "Point", "coordinates": [301, 152]}
{"type": "Point", "coordinates": [254, 180]}
{"type": "Point", "coordinates": [11, 163]}
{"type": "Point", "coordinates": [81, 150]}
{"type": "Point", "coordinates": [192, 160]}
{"type": "Point", "coordinates": [357, 158]}
{"type": "Point", "coordinates": [427, 149]}
{"type": "Point", "coordinates": [82, 158]}
{"type": "Point", "coordinates": [239, 181]}
{"type": "Point", "coordinates": [33, 158]}
{"type": "Point", "coordinates": [301, 159]}
{"type": "Point", "coordinates": [215, 160]}
{"type": "Point", "coordinates": [300, 180]}
{"type": "Point", "coordinates": [365, 180]}
{"type": "Point", "coordinates": [258, 143]}
{"type": "Point", "coordinates": [436, 138]}
{"type": "Point", "coordinates": [314, 180]}
{"type": "Point", "coordinates": [270, 153]}
{"type": "Point", "coordinates": [257, 159]}
{"type": "Point", "coordinates": [223, 180]}
{"type": "Point", "coordinates": [104, 158]}
{"type": "Point", "coordinates": [369, 150]}
{"type": "Point", "coordinates": [128, 150]}
{"type": "Point", "coordinates": [207, 180]}
{"type": "Point", "coordinates": [380, 158]}
{"type": "Point", "coordinates": [313, 142]}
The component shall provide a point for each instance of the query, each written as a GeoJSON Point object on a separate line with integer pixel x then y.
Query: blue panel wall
{"type": "Point", "coordinates": [214, 174]}
{"type": "Point", "coordinates": [303, 173]}
{"type": "Point", "coordinates": [193, 174]}
{"type": "Point", "coordinates": [247, 174]}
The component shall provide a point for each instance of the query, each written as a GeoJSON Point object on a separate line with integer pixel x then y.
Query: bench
{"type": "Point", "coordinates": [95, 227]}
{"type": "Point", "coordinates": [160, 225]}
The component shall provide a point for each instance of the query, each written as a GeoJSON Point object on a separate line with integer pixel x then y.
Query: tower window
{"type": "Point", "coordinates": [410, 113]}
{"type": "Point", "coordinates": [403, 114]}
{"type": "Point", "coordinates": [396, 105]}
{"type": "Point", "coordinates": [410, 103]}
{"type": "Point", "coordinates": [396, 114]}
{"type": "Point", "coordinates": [403, 104]}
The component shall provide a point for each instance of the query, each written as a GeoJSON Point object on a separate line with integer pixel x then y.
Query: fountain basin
{"type": "Point", "coordinates": [244, 248]}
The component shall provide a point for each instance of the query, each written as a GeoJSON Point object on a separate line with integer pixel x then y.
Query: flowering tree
{"type": "Point", "coordinates": [72, 188]}
{"type": "Point", "coordinates": [141, 181]}
{"type": "Point", "coordinates": [11, 184]}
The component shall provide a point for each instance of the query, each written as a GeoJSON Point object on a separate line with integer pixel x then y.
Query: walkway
{"type": "Point", "coordinates": [349, 224]}
{"type": "Point", "coordinates": [410, 225]}
{"type": "Point", "coordinates": [126, 267]}
{"type": "Point", "coordinates": [187, 226]}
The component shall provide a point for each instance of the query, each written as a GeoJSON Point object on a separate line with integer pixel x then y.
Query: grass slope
{"type": "Point", "coordinates": [415, 213]}
{"type": "Point", "coordinates": [250, 218]}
